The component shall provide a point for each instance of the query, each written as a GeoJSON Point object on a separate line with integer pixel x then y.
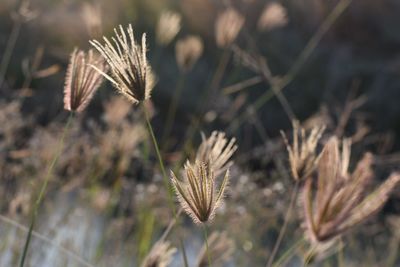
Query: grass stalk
{"type": "Point", "coordinates": [165, 179]}
{"type": "Point", "coordinates": [289, 253]}
{"type": "Point", "coordinates": [285, 224]}
{"type": "Point", "coordinates": [207, 247]}
{"type": "Point", "coordinates": [42, 192]}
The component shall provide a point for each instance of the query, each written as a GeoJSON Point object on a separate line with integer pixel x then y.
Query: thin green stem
{"type": "Point", "coordinates": [165, 179]}
{"type": "Point", "coordinates": [42, 192]}
{"type": "Point", "coordinates": [285, 224]}
{"type": "Point", "coordinates": [289, 253]}
{"type": "Point", "coordinates": [172, 109]}
{"type": "Point", "coordinates": [206, 242]}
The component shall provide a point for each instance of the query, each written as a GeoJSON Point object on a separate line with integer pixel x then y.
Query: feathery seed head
{"type": "Point", "coordinates": [274, 16]}
{"type": "Point", "coordinates": [216, 151]}
{"type": "Point", "coordinates": [131, 73]}
{"type": "Point", "coordinates": [188, 51]}
{"type": "Point", "coordinates": [228, 26]}
{"type": "Point", "coordinates": [82, 81]}
{"type": "Point", "coordinates": [197, 193]}
{"type": "Point", "coordinates": [168, 27]}
{"type": "Point", "coordinates": [160, 255]}
{"type": "Point", "coordinates": [339, 201]}
{"type": "Point", "coordinates": [303, 158]}
{"type": "Point", "coordinates": [221, 248]}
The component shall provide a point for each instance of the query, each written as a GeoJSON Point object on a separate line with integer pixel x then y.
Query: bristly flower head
{"type": "Point", "coordinates": [273, 16]}
{"type": "Point", "coordinates": [168, 27]}
{"type": "Point", "coordinates": [197, 193]}
{"type": "Point", "coordinates": [188, 51]}
{"type": "Point", "coordinates": [130, 72]}
{"type": "Point", "coordinates": [216, 151]}
{"type": "Point", "coordinates": [340, 202]}
{"type": "Point", "coordinates": [82, 81]}
{"type": "Point", "coordinates": [303, 158]}
{"type": "Point", "coordinates": [160, 255]}
{"type": "Point", "coordinates": [228, 26]}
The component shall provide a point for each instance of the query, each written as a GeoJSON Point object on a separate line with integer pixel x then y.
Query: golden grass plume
{"type": "Point", "coordinates": [227, 27]}
{"type": "Point", "coordinates": [188, 50]}
{"type": "Point", "coordinates": [82, 81]}
{"type": "Point", "coordinates": [273, 16]}
{"type": "Point", "coordinates": [168, 27]}
{"type": "Point", "coordinates": [131, 73]}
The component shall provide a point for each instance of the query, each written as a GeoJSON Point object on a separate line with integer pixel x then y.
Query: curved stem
{"type": "Point", "coordinates": [206, 241]}
{"type": "Point", "coordinates": [42, 192]}
{"type": "Point", "coordinates": [165, 178]}
{"type": "Point", "coordinates": [285, 224]}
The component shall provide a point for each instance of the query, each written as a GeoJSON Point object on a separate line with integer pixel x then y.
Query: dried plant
{"type": "Point", "coordinates": [221, 248]}
{"type": "Point", "coordinates": [168, 27]}
{"type": "Point", "coordinates": [131, 73]}
{"type": "Point", "coordinates": [274, 16]}
{"type": "Point", "coordinates": [216, 151]}
{"type": "Point", "coordinates": [91, 15]}
{"type": "Point", "coordinates": [82, 81]}
{"type": "Point", "coordinates": [197, 193]}
{"type": "Point", "coordinates": [303, 158]}
{"type": "Point", "coordinates": [340, 201]}
{"type": "Point", "coordinates": [160, 255]}
{"type": "Point", "coordinates": [188, 51]}
{"type": "Point", "coordinates": [227, 27]}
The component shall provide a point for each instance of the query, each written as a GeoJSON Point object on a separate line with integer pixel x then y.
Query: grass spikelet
{"type": "Point", "coordinates": [131, 73]}
{"type": "Point", "coordinates": [82, 81]}
{"type": "Point", "coordinates": [168, 27]}
{"type": "Point", "coordinates": [340, 201]}
{"type": "Point", "coordinates": [197, 193]}
{"type": "Point", "coordinates": [160, 255]}
{"type": "Point", "coordinates": [303, 158]}
{"type": "Point", "coordinates": [227, 27]}
{"type": "Point", "coordinates": [221, 248]}
{"type": "Point", "coordinates": [274, 16]}
{"type": "Point", "coordinates": [188, 51]}
{"type": "Point", "coordinates": [216, 151]}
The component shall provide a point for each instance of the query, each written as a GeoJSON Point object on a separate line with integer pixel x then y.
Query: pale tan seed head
{"type": "Point", "coordinates": [82, 81]}
{"type": "Point", "coordinates": [168, 27]}
{"type": "Point", "coordinates": [274, 16]}
{"type": "Point", "coordinates": [303, 157]}
{"type": "Point", "coordinates": [220, 247]}
{"type": "Point", "coordinates": [160, 255]}
{"type": "Point", "coordinates": [227, 27]}
{"type": "Point", "coordinates": [92, 17]}
{"type": "Point", "coordinates": [131, 73]}
{"type": "Point", "coordinates": [188, 50]}
{"type": "Point", "coordinates": [216, 151]}
{"type": "Point", "coordinates": [340, 201]}
{"type": "Point", "coordinates": [198, 193]}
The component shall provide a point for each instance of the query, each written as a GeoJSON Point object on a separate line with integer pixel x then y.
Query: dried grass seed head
{"type": "Point", "coordinates": [168, 27]}
{"type": "Point", "coordinates": [340, 200]}
{"type": "Point", "coordinates": [82, 81]}
{"type": "Point", "coordinates": [160, 255]}
{"type": "Point", "coordinates": [221, 248]}
{"type": "Point", "coordinates": [131, 73]}
{"type": "Point", "coordinates": [188, 50]}
{"type": "Point", "coordinates": [303, 157]}
{"type": "Point", "coordinates": [216, 151]}
{"type": "Point", "coordinates": [197, 193]}
{"type": "Point", "coordinates": [92, 17]}
{"type": "Point", "coordinates": [274, 16]}
{"type": "Point", "coordinates": [227, 27]}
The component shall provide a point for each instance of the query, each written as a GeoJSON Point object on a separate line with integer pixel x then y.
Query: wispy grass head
{"type": "Point", "coordinates": [168, 27]}
{"type": "Point", "coordinates": [273, 16]}
{"type": "Point", "coordinates": [160, 255]}
{"type": "Point", "coordinates": [221, 248]}
{"type": "Point", "coordinates": [82, 81]}
{"type": "Point", "coordinates": [339, 201]}
{"type": "Point", "coordinates": [131, 73]}
{"type": "Point", "coordinates": [216, 151]}
{"type": "Point", "coordinates": [227, 27]}
{"type": "Point", "coordinates": [303, 157]}
{"type": "Point", "coordinates": [188, 51]}
{"type": "Point", "coordinates": [197, 193]}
